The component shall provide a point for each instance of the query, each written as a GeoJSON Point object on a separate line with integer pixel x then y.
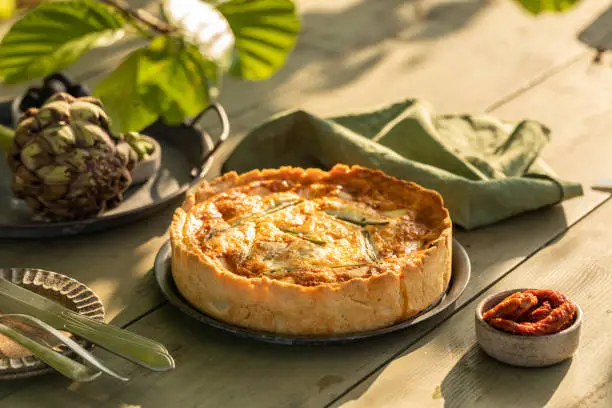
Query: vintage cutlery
{"type": "Point", "coordinates": [47, 336]}
{"type": "Point", "coordinates": [65, 365]}
{"type": "Point", "coordinates": [137, 349]}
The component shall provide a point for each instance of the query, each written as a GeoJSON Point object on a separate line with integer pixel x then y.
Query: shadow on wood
{"type": "Point", "coordinates": [342, 43]}
{"type": "Point", "coordinates": [489, 246]}
{"type": "Point", "coordinates": [598, 35]}
{"type": "Point", "coordinates": [447, 17]}
{"type": "Point", "coordinates": [476, 375]}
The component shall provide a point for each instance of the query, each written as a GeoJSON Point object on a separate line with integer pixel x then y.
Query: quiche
{"type": "Point", "coordinates": [311, 252]}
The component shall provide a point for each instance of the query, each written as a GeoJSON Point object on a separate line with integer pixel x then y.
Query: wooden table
{"type": "Point", "coordinates": [462, 56]}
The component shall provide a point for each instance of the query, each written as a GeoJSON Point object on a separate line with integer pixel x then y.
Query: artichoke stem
{"type": "Point", "coordinates": [6, 137]}
{"type": "Point", "coordinates": [143, 148]}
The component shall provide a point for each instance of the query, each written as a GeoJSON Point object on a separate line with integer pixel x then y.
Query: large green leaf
{"type": "Point", "coordinates": [263, 32]}
{"type": "Point", "coordinates": [181, 77]}
{"type": "Point", "coordinates": [54, 35]}
{"type": "Point", "coordinates": [122, 96]}
{"type": "Point", "coordinates": [169, 78]}
{"type": "Point", "coordinates": [539, 6]}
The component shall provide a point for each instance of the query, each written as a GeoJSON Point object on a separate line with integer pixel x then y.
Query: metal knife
{"type": "Point", "coordinates": [603, 185]}
{"type": "Point", "coordinates": [27, 325]}
{"type": "Point", "coordinates": [65, 365]}
{"type": "Point", "coordinates": [133, 347]}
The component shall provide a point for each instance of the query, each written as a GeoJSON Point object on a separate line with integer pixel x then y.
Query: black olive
{"type": "Point", "coordinates": [31, 99]}
{"type": "Point", "coordinates": [55, 86]}
{"type": "Point", "coordinates": [58, 76]}
{"type": "Point", "coordinates": [79, 90]}
{"type": "Point", "coordinates": [46, 93]}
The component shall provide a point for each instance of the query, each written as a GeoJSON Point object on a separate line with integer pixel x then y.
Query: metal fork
{"type": "Point", "coordinates": [11, 325]}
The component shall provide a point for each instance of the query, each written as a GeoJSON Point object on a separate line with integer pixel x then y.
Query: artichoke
{"type": "Point", "coordinates": [66, 162]}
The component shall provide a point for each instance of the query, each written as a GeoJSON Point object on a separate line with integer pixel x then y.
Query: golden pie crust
{"type": "Point", "coordinates": [311, 252]}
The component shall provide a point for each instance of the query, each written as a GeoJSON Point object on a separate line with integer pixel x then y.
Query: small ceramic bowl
{"type": "Point", "coordinates": [525, 351]}
{"type": "Point", "coordinates": [148, 167]}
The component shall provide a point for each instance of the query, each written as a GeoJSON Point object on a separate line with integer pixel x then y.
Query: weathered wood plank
{"type": "Point", "coordinates": [114, 264]}
{"type": "Point", "coordinates": [215, 369]}
{"type": "Point", "coordinates": [338, 59]}
{"type": "Point", "coordinates": [448, 368]}
{"type": "Point", "coordinates": [453, 60]}
{"type": "Point", "coordinates": [323, 372]}
{"type": "Point", "coordinates": [312, 68]}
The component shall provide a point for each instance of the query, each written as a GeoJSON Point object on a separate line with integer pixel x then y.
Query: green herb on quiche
{"type": "Point", "coordinates": [251, 232]}
{"type": "Point", "coordinates": [283, 271]}
{"type": "Point", "coordinates": [353, 218]}
{"type": "Point", "coordinates": [305, 235]}
{"type": "Point", "coordinates": [369, 246]}
{"type": "Point", "coordinates": [359, 265]}
{"type": "Point", "coordinates": [275, 208]}
{"type": "Point", "coordinates": [252, 217]}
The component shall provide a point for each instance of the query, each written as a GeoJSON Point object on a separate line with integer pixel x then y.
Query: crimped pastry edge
{"type": "Point", "coordinates": [356, 305]}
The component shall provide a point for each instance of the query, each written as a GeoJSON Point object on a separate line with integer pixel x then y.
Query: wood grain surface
{"type": "Point", "coordinates": [116, 263]}
{"type": "Point", "coordinates": [469, 56]}
{"type": "Point", "coordinates": [448, 368]}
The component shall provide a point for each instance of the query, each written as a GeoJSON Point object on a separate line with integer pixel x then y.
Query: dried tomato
{"type": "Point", "coordinates": [533, 312]}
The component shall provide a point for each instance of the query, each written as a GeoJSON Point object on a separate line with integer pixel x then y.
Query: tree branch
{"type": "Point", "coordinates": [141, 15]}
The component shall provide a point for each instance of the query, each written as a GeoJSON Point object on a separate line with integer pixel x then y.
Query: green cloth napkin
{"type": "Point", "coordinates": [486, 169]}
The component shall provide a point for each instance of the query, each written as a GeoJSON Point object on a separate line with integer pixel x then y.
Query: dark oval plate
{"type": "Point", "coordinates": [459, 279]}
{"type": "Point", "coordinates": [187, 155]}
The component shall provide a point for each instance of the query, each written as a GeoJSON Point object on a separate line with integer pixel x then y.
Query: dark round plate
{"type": "Point", "coordinates": [187, 155]}
{"type": "Point", "coordinates": [458, 283]}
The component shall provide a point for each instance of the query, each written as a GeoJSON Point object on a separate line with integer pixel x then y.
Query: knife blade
{"type": "Point", "coordinates": [603, 185]}
{"type": "Point", "coordinates": [50, 336]}
{"type": "Point", "coordinates": [133, 347]}
{"type": "Point", "coordinates": [63, 364]}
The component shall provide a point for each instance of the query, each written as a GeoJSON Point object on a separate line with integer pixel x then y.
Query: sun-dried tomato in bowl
{"type": "Point", "coordinates": [532, 312]}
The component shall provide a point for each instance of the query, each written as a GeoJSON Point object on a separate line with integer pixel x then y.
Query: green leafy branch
{"type": "Point", "coordinates": [541, 6]}
{"type": "Point", "coordinates": [189, 48]}
{"type": "Point", "coordinates": [140, 16]}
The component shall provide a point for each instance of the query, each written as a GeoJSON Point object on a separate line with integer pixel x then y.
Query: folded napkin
{"type": "Point", "coordinates": [486, 169]}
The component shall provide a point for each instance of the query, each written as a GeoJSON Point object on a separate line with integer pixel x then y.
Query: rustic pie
{"type": "Point", "coordinates": [311, 252]}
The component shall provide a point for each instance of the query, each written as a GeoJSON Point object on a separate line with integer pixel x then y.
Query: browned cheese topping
{"type": "Point", "coordinates": [308, 234]}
